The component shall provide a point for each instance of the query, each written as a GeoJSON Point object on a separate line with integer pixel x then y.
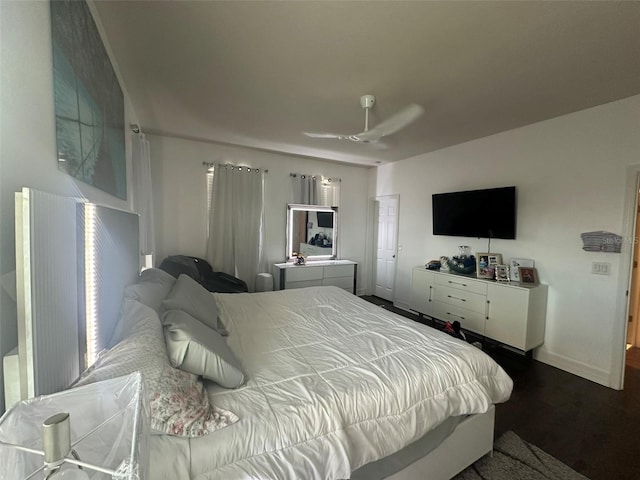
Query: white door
{"type": "Point", "coordinates": [386, 246]}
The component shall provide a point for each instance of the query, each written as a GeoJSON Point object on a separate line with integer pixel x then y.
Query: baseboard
{"type": "Point", "coordinates": [403, 305]}
{"type": "Point", "coordinates": [597, 375]}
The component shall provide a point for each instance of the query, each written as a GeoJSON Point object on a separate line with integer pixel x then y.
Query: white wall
{"type": "Point", "coordinates": [570, 174]}
{"type": "Point", "coordinates": [27, 135]}
{"type": "Point", "coordinates": [179, 183]}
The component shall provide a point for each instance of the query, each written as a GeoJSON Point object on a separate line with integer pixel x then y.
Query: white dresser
{"type": "Point", "coordinates": [339, 273]}
{"type": "Point", "coordinates": [512, 313]}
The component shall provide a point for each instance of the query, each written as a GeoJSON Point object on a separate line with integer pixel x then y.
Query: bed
{"type": "Point", "coordinates": [331, 384]}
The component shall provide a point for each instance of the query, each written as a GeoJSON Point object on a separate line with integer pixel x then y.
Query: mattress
{"type": "Point", "coordinates": [334, 382]}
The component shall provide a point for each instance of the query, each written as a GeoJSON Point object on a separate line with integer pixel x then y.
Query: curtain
{"type": "Point", "coordinates": [236, 222]}
{"type": "Point", "coordinates": [142, 191]}
{"type": "Point", "coordinates": [305, 189]}
{"type": "Point", "coordinates": [315, 190]}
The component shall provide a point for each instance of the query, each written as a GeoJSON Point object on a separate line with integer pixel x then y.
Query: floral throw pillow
{"type": "Point", "coordinates": [182, 407]}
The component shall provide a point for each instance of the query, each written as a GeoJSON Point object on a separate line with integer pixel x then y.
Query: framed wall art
{"type": "Point", "coordinates": [88, 101]}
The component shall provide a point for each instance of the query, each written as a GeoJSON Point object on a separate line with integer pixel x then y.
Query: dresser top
{"type": "Point", "coordinates": [319, 263]}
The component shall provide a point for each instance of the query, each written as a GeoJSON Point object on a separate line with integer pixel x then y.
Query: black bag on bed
{"type": "Point", "coordinates": [202, 272]}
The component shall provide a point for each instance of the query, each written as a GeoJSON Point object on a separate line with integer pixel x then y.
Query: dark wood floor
{"type": "Point", "coordinates": [593, 429]}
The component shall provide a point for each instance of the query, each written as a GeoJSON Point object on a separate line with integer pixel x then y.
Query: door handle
{"type": "Point", "coordinates": [393, 256]}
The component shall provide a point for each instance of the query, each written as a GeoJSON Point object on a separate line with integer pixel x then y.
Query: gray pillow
{"type": "Point", "coordinates": [198, 349]}
{"type": "Point", "coordinates": [191, 297]}
{"type": "Point", "coordinates": [152, 288]}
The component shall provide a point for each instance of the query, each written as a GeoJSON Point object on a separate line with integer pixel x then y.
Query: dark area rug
{"type": "Point", "coordinates": [515, 459]}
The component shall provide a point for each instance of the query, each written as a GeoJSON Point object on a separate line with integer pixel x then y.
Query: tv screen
{"type": "Point", "coordinates": [489, 213]}
{"type": "Point", "coordinates": [325, 219]}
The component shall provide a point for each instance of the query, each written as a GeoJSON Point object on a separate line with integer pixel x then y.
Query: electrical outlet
{"type": "Point", "coordinates": [600, 268]}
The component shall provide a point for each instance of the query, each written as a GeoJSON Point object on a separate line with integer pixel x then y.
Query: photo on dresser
{"type": "Point", "coordinates": [515, 264]}
{"type": "Point", "coordinates": [527, 275]}
{"type": "Point", "coordinates": [484, 268]}
{"type": "Point", "coordinates": [486, 265]}
{"type": "Point", "coordinates": [502, 273]}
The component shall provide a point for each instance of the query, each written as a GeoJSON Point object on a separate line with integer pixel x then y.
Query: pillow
{"type": "Point", "coordinates": [178, 401]}
{"type": "Point", "coordinates": [191, 297]}
{"type": "Point", "coordinates": [152, 288]}
{"type": "Point", "coordinates": [198, 349]}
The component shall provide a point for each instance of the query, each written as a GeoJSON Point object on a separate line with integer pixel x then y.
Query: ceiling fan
{"type": "Point", "coordinates": [387, 127]}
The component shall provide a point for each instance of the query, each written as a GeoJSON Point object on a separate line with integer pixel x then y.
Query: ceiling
{"type": "Point", "coordinates": [258, 74]}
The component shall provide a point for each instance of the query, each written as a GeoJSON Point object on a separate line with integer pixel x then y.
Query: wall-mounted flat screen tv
{"type": "Point", "coordinates": [325, 219]}
{"type": "Point", "coordinates": [489, 213]}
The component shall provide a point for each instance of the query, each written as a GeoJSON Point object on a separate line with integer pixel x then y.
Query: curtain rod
{"type": "Point", "coordinates": [239, 167]}
{"type": "Point", "coordinates": [303, 175]}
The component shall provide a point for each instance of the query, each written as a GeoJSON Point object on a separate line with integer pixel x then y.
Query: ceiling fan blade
{"type": "Point", "coordinates": [379, 146]}
{"type": "Point", "coordinates": [326, 135]}
{"type": "Point", "coordinates": [392, 124]}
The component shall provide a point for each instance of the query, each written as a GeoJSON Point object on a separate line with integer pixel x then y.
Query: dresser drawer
{"type": "Point", "coordinates": [303, 284]}
{"type": "Point", "coordinates": [462, 283]}
{"type": "Point", "coordinates": [342, 282]}
{"type": "Point", "coordinates": [461, 298]}
{"type": "Point", "coordinates": [469, 320]}
{"type": "Point", "coordinates": [298, 274]}
{"type": "Point", "coordinates": [331, 271]}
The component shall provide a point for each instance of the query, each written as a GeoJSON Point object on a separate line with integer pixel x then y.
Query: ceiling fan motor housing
{"type": "Point", "coordinates": [367, 101]}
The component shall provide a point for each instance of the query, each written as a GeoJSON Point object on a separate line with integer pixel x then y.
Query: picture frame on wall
{"type": "Point", "coordinates": [88, 101]}
{"type": "Point", "coordinates": [486, 264]}
{"type": "Point", "coordinates": [515, 264]}
{"type": "Point", "coordinates": [528, 275]}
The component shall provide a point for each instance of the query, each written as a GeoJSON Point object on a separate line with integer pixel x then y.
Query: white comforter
{"type": "Point", "coordinates": [334, 383]}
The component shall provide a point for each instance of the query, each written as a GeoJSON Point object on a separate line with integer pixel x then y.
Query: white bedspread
{"type": "Point", "coordinates": [334, 382]}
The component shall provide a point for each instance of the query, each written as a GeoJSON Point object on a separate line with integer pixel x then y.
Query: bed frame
{"type": "Point", "coordinates": [471, 440]}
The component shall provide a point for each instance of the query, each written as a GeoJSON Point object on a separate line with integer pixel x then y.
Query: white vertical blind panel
{"type": "Point", "coordinates": [54, 294]}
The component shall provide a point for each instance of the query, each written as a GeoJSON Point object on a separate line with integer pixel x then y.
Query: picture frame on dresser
{"type": "Point", "coordinates": [528, 275]}
{"type": "Point", "coordinates": [502, 273]}
{"type": "Point", "coordinates": [486, 264]}
{"type": "Point", "coordinates": [515, 264]}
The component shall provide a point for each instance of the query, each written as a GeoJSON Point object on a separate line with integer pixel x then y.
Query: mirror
{"type": "Point", "coordinates": [312, 231]}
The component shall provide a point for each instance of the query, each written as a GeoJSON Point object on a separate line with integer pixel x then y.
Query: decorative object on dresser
{"type": "Point", "coordinates": [487, 263]}
{"type": "Point", "coordinates": [339, 273]}
{"type": "Point", "coordinates": [444, 264]}
{"type": "Point", "coordinates": [463, 265]}
{"type": "Point", "coordinates": [527, 275]}
{"type": "Point", "coordinates": [502, 273]}
{"type": "Point", "coordinates": [433, 265]}
{"type": "Point", "coordinates": [510, 313]}
{"type": "Point", "coordinates": [515, 263]}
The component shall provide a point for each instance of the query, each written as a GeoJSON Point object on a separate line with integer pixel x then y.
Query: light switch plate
{"type": "Point", "coordinates": [600, 268]}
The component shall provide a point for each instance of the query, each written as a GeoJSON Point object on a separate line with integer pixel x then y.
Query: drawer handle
{"type": "Point", "coordinates": [457, 298]}
{"type": "Point", "coordinates": [454, 315]}
{"type": "Point", "coordinates": [430, 292]}
{"type": "Point", "coordinates": [457, 283]}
